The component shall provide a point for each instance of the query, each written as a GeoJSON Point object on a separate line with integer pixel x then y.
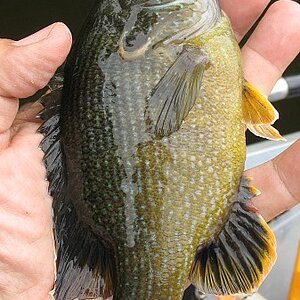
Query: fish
{"type": "Point", "coordinates": [144, 143]}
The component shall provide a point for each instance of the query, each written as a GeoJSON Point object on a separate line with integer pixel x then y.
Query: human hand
{"type": "Point", "coordinates": [267, 53]}
{"type": "Point", "coordinates": [26, 246]}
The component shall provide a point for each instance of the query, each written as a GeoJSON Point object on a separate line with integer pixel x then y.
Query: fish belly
{"type": "Point", "coordinates": [174, 192]}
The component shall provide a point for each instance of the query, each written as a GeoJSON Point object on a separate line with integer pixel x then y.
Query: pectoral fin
{"type": "Point", "coordinates": [176, 93]}
{"type": "Point", "coordinates": [259, 113]}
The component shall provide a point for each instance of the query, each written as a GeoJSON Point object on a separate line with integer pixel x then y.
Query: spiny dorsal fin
{"type": "Point", "coordinates": [176, 93]}
{"type": "Point", "coordinates": [243, 253]}
{"type": "Point", "coordinates": [50, 144]}
{"type": "Point", "coordinates": [85, 261]}
{"type": "Point", "coordinates": [259, 113]}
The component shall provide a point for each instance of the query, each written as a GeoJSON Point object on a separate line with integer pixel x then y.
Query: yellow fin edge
{"type": "Point", "coordinates": [237, 260]}
{"type": "Point", "coordinates": [259, 114]}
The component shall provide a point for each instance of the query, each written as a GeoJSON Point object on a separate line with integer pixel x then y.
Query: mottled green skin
{"type": "Point", "coordinates": [157, 200]}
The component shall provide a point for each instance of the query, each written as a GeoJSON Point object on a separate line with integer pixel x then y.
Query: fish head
{"type": "Point", "coordinates": [155, 24]}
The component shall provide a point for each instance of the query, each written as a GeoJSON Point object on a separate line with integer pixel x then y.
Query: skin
{"type": "Point", "coordinates": [26, 251]}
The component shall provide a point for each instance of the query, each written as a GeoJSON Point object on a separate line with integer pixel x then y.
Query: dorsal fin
{"type": "Point", "coordinates": [85, 261]}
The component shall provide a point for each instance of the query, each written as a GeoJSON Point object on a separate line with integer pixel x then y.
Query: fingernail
{"type": "Point", "coordinates": [58, 29]}
{"type": "Point", "coordinates": [42, 34]}
{"type": "Point", "coordinates": [35, 37]}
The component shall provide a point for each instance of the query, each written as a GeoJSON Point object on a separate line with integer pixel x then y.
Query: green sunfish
{"type": "Point", "coordinates": [144, 147]}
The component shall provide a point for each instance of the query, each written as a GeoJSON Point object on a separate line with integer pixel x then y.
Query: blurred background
{"type": "Point", "coordinates": [19, 18]}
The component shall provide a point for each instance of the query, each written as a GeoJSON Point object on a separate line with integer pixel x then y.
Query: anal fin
{"type": "Point", "coordinates": [259, 114]}
{"type": "Point", "coordinates": [239, 258]}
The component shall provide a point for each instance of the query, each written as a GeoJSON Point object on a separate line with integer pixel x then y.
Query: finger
{"type": "Point", "coordinates": [273, 45]}
{"type": "Point", "coordinates": [26, 121]}
{"type": "Point", "coordinates": [243, 15]}
{"type": "Point", "coordinates": [25, 68]}
{"type": "Point", "coordinates": [287, 165]}
{"type": "Point", "coordinates": [8, 110]}
{"type": "Point", "coordinates": [28, 65]}
{"type": "Point", "coordinates": [35, 37]}
{"type": "Point", "coordinates": [278, 182]}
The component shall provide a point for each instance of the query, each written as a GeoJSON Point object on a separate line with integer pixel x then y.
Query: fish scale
{"type": "Point", "coordinates": [149, 147]}
{"type": "Point", "coordinates": [133, 155]}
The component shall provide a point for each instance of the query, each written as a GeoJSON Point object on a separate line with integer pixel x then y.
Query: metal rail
{"type": "Point", "coordinates": [285, 88]}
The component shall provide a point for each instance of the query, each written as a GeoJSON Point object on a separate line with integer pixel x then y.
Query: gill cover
{"type": "Point", "coordinates": [196, 18]}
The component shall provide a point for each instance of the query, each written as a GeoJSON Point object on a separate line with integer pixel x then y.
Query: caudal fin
{"type": "Point", "coordinates": [85, 260]}
{"type": "Point", "coordinates": [243, 253]}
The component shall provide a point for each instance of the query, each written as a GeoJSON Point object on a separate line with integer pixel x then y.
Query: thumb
{"type": "Point", "coordinates": [27, 65]}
